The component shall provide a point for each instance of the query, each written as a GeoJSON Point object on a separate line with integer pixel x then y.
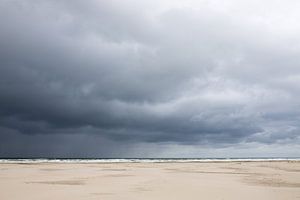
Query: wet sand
{"type": "Point", "coordinates": [135, 181]}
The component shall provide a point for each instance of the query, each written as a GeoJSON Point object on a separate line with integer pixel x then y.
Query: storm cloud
{"type": "Point", "coordinates": [100, 78]}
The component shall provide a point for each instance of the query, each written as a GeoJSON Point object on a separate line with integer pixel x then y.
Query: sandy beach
{"type": "Point", "coordinates": [210, 181]}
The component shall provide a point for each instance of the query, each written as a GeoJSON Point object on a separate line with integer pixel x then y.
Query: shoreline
{"type": "Point", "coordinates": [142, 160]}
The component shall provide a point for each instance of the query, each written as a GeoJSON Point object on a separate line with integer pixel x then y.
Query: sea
{"type": "Point", "coordinates": [140, 160]}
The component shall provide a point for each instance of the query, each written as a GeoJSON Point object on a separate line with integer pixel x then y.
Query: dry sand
{"type": "Point", "coordinates": [130, 181]}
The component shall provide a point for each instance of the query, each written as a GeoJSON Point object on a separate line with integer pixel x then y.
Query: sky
{"type": "Point", "coordinates": [150, 78]}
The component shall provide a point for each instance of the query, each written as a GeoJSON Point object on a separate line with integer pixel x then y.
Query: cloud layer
{"type": "Point", "coordinates": [193, 73]}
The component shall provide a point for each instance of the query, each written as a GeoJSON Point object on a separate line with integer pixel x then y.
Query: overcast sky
{"type": "Point", "coordinates": [157, 78]}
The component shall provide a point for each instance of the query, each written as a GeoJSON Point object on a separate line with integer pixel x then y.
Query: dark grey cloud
{"type": "Point", "coordinates": [129, 73]}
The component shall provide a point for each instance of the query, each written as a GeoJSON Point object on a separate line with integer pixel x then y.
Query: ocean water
{"type": "Point", "coordinates": [138, 160]}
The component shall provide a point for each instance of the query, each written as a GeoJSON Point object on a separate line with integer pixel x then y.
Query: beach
{"type": "Point", "coordinates": [151, 180]}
